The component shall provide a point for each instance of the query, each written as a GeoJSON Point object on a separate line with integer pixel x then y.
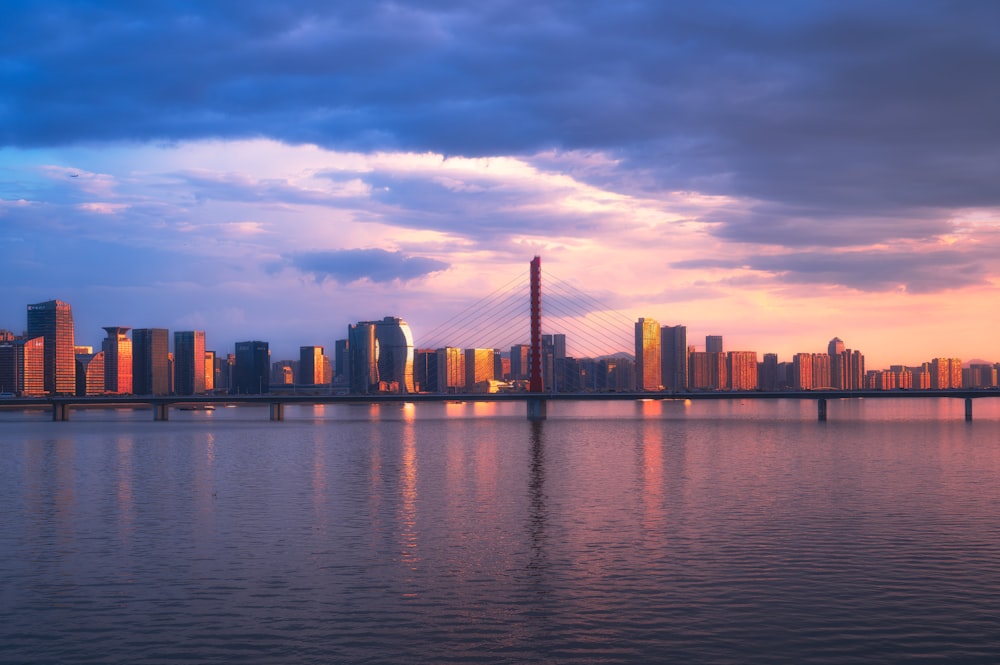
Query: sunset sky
{"type": "Point", "coordinates": [779, 173]}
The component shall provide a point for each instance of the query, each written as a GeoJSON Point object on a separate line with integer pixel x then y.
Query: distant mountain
{"type": "Point", "coordinates": [977, 361]}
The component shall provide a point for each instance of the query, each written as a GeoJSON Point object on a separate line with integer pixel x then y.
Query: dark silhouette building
{"type": "Point", "coordinates": [151, 361]}
{"type": "Point", "coordinates": [252, 368]}
{"type": "Point", "coordinates": [673, 357]}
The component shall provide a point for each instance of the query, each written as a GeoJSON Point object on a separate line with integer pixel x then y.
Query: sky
{"type": "Point", "coordinates": [778, 173]}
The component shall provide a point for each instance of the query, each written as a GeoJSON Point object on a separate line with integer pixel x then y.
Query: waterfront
{"type": "Point", "coordinates": [613, 532]}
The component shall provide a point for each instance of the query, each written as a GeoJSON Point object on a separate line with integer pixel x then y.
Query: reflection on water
{"type": "Point", "coordinates": [615, 532]}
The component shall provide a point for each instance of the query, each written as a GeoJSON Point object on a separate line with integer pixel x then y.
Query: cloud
{"type": "Point", "coordinates": [352, 265]}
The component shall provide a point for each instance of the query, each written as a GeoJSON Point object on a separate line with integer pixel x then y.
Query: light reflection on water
{"type": "Point", "coordinates": [740, 531]}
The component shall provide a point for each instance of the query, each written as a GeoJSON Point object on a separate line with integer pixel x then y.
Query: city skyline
{"type": "Point", "coordinates": [383, 356]}
{"type": "Point", "coordinates": [778, 173]}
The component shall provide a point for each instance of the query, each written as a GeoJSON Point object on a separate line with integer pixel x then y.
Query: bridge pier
{"type": "Point", "coordinates": [277, 411]}
{"type": "Point", "coordinates": [821, 409]}
{"type": "Point", "coordinates": [161, 411]}
{"type": "Point", "coordinates": [537, 409]}
{"type": "Point", "coordinates": [60, 412]}
{"type": "Point", "coordinates": [968, 409]}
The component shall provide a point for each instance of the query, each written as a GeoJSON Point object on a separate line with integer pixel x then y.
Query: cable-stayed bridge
{"type": "Point", "coordinates": [507, 317]}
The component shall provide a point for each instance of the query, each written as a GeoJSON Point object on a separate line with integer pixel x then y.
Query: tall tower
{"type": "Point", "coordinates": [395, 353]}
{"type": "Point", "coordinates": [189, 362]}
{"type": "Point", "coordinates": [311, 365]}
{"type": "Point", "coordinates": [673, 356]}
{"type": "Point", "coordinates": [117, 349]}
{"type": "Point", "coordinates": [713, 343]}
{"type": "Point", "coordinates": [150, 361]}
{"type": "Point", "coordinates": [647, 355]}
{"type": "Point", "coordinates": [53, 320]}
{"type": "Point", "coordinates": [252, 368]}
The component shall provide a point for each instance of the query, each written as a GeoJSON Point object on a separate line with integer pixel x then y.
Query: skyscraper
{"type": "Point", "coordinates": [22, 366]}
{"type": "Point", "coordinates": [381, 356]}
{"type": "Point", "coordinates": [89, 373]}
{"type": "Point", "coordinates": [53, 321]}
{"type": "Point", "coordinates": [151, 361]}
{"type": "Point", "coordinates": [252, 369]}
{"type": "Point", "coordinates": [395, 353]}
{"type": "Point", "coordinates": [647, 355]}
{"type": "Point", "coordinates": [117, 349]}
{"type": "Point", "coordinates": [189, 362]}
{"type": "Point", "coordinates": [673, 357]}
{"type": "Point", "coordinates": [311, 365]}
{"type": "Point", "coordinates": [713, 343]}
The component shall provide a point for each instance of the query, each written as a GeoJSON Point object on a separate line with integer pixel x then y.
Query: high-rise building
{"type": "Point", "coordinates": [252, 368]}
{"type": "Point", "coordinates": [768, 372]}
{"type": "Point", "coordinates": [22, 366]}
{"type": "Point", "coordinates": [89, 373]}
{"type": "Point", "coordinates": [381, 356]}
{"type": "Point", "coordinates": [802, 371]}
{"type": "Point", "coordinates": [742, 369]}
{"type": "Point", "coordinates": [151, 361]}
{"type": "Point", "coordinates": [342, 363]}
{"type": "Point", "coordinates": [946, 373]}
{"type": "Point", "coordinates": [450, 370]}
{"type": "Point", "coordinates": [713, 344]}
{"type": "Point", "coordinates": [425, 370]}
{"type": "Point", "coordinates": [363, 360]}
{"type": "Point", "coordinates": [647, 355]}
{"type": "Point", "coordinates": [478, 368]}
{"type": "Point", "coordinates": [209, 371]}
{"type": "Point", "coordinates": [117, 349]}
{"type": "Point", "coordinates": [519, 354]}
{"type": "Point", "coordinates": [673, 357]}
{"type": "Point", "coordinates": [821, 371]}
{"type": "Point", "coordinates": [311, 365]}
{"type": "Point", "coordinates": [189, 362]}
{"type": "Point", "coordinates": [395, 354]}
{"type": "Point", "coordinates": [53, 321]}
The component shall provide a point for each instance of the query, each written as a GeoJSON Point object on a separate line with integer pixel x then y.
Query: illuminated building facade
{"type": "Point", "coordinates": [478, 368]}
{"type": "Point", "coordinates": [946, 373]}
{"type": "Point", "coordinates": [311, 365]}
{"type": "Point", "coordinates": [189, 362]}
{"type": "Point", "coordinates": [647, 355]}
{"type": "Point", "coordinates": [802, 371]}
{"type": "Point", "coordinates": [381, 356]}
{"type": "Point", "coordinates": [450, 370]}
{"type": "Point", "coordinates": [53, 321]}
{"type": "Point", "coordinates": [209, 371]}
{"type": "Point", "coordinates": [22, 366]}
{"type": "Point", "coordinates": [742, 369]}
{"type": "Point", "coordinates": [89, 373]}
{"type": "Point", "coordinates": [117, 349]}
{"type": "Point", "coordinates": [151, 361]}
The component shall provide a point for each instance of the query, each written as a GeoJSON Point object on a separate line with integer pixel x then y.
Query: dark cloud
{"type": "Point", "coordinates": [848, 108]}
{"type": "Point", "coordinates": [377, 265]}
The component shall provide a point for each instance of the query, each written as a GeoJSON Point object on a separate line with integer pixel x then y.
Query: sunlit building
{"type": "Point", "coordinates": [189, 362]}
{"type": "Point", "coordinates": [53, 321]}
{"type": "Point", "coordinates": [151, 361]}
{"type": "Point", "coordinates": [946, 373]}
{"type": "Point", "coordinates": [450, 370]}
{"type": "Point", "coordinates": [117, 349]}
{"type": "Point", "coordinates": [478, 368]}
{"type": "Point", "coordinates": [89, 373]}
{"type": "Point", "coordinates": [742, 370]}
{"type": "Point", "coordinates": [311, 366]}
{"type": "Point", "coordinates": [802, 371]}
{"type": "Point", "coordinates": [647, 355]}
{"type": "Point", "coordinates": [381, 356]}
{"type": "Point", "coordinates": [209, 371]}
{"type": "Point", "coordinates": [821, 371]}
{"type": "Point", "coordinates": [22, 366]}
